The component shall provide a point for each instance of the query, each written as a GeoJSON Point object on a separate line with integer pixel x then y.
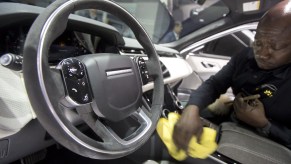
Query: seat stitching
{"type": "Point", "coordinates": [261, 139]}
{"type": "Point", "coordinates": [249, 151]}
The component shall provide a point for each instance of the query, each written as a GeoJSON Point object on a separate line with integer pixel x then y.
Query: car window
{"type": "Point", "coordinates": [193, 14]}
{"type": "Point", "coordinates": [148, 14]}
{"type": "Point", "coordinates": [158, 17]}
{"type": "Point", "coordinates": [230, 44]}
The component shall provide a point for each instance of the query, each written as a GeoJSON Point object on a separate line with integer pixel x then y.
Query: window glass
{"type": "Point", "coordinates": [229, 44]}
{"type": "Point", "coordinates": [193, 14]}
{"type": "Point", "coordinates": [158, 17]}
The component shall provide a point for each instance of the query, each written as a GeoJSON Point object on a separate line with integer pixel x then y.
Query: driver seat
{"type": "Point", "coordinates": [246, 146]}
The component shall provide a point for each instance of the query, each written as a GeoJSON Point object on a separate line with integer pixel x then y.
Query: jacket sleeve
{"type": "Point", "coordinates": [281, 134]}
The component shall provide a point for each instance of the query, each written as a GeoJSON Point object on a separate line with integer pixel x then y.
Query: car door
{"type": "Point", "coordinates": [208, 56]}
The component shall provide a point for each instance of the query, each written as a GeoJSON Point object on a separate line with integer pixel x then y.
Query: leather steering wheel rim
{"type": "Point", "coordinates": [44, 84]}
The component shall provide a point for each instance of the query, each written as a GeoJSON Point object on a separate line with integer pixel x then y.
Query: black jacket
{"type": "Point", "coordinates": [243, 75]}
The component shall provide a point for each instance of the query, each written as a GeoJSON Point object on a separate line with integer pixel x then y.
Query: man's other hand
{"type": "Point", "coordinates": [251, 112]}
{"type": "Point", "coordinates": [188, 125]}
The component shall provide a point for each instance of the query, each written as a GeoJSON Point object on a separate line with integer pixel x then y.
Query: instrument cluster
{"type": "Point", "coordinates": [65, 46]}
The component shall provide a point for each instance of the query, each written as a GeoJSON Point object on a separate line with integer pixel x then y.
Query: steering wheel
{"type": "Point", "coordinates": [96, 86]}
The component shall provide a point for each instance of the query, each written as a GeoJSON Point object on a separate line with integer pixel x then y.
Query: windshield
{"type": "Point", "coordinates": [164, 20]}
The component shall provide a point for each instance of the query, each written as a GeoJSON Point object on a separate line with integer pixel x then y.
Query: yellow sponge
{"type": "Point", "coordinates": [200, 150]}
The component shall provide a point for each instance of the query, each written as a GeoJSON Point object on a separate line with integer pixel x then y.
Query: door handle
{"type": "Point", "coordinates": [208, 65]}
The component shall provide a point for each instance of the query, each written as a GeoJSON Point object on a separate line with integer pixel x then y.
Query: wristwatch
{"type": "Point", "coordinates": [265, 130]}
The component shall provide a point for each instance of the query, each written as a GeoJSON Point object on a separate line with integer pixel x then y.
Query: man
{"type": "Point", "coordinates": [173, 35]}
{"type": "Point", "coordinates": [267, 65]}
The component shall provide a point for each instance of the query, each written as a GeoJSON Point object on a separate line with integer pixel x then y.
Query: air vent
{"type": "Point", "coordinates": [132, 51]}
{"type": "Point", "coordinates": [165, 70]}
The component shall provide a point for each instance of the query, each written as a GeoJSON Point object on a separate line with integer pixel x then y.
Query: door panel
{"type": "Point", "coordinates": [205, 67]}
{"type": "Point", "coordinates": [211, 54]}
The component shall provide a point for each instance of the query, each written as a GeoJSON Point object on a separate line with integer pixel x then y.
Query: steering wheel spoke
{"type": "Point", "coordinates": [145, 124]}
{"type": "Point", "coordinates": [89, 117]}
{"type": "Point", "coordinates": [107, 134]}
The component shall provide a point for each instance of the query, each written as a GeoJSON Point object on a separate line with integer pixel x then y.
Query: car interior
{"type": "Point", "coordinates": [74, 89]}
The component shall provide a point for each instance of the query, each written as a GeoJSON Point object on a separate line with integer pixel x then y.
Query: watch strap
{"type": "Point", "coordinates": [265, 130]}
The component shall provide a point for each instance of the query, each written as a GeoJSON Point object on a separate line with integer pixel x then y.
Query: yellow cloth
{"type": "Point", "coordinates": [200, 150]}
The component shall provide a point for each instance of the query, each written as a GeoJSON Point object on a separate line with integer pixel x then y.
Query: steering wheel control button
{"type": "Point", "coordinates": [82, 83]}
{"type": "Point", "coordinates": [73, 68]}
{"type": "Point", "coordinates": [85, 98]}
{"type": "Point", "coordinates": [76, 81]}
{"type": "Point", "coordinates": [143, 69]}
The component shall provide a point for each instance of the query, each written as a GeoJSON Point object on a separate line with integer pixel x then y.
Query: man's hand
{"type": "Point", "coordinates": [188, 125]}
{"type": "Point", "coordinates": [251, 112]}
